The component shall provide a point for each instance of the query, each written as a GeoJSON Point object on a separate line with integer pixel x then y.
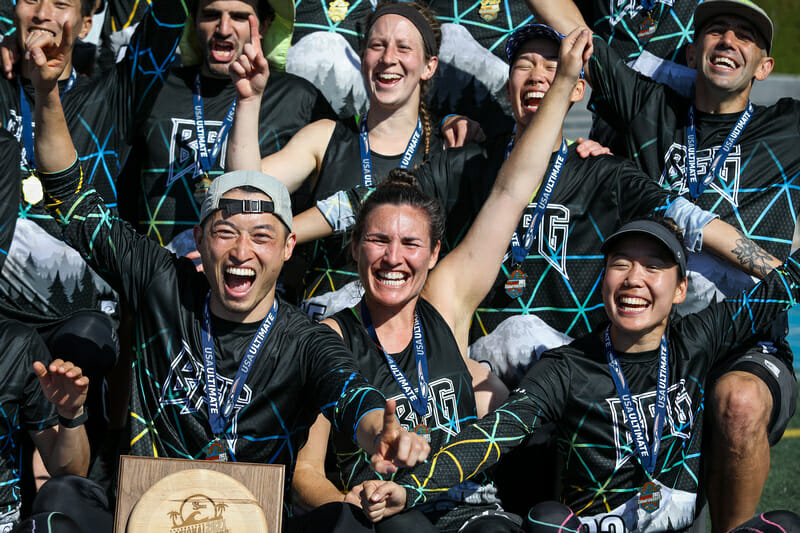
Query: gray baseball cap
{"type": "Point", "coordinates": [741, 8]}
{"type": "Point", "coordinates": [280, 204]}
{"type": "Point", "coordinates": [652, 229]}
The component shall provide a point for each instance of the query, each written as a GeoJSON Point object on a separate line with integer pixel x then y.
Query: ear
{"type": "Point", "coordinates": [353, 248]}
{"type": "Point", "coordinates": [578, 91]}
{"type": "Point", "coordinates": [263, 27]}
{"type": "Point", "coordinates": [430, 68]}
{"type": "Point", "coordinates": [764, 68]}
{"type": "Point", "coordinates": [508, 92]}
{"type": "Point", "coordinates": [288, 247]}
{"type": "Point", "coordinates": [680, 291]}
{"type": "Point", "coordinates": [86, 25]}
{"type": "Point", "coordinates": [198, 236]}
{"type": "Point", "coordinates": [435, 255]}
{"type": "Point", "coordinates": [691, 55]}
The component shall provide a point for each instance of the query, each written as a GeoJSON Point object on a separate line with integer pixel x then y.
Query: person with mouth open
{"type": "Point", "coordinates": [398, 62]}
{"type": "Point", "coordinates": [410, 330]}
{"type": "Point", "coordinates": [224, 369]}
{"type": "Point", "coordinates": [737, 160]}
{"type": "Point", "coordinates": [627, 400]}
{"type": "Point", "coordinates": [181, 143]}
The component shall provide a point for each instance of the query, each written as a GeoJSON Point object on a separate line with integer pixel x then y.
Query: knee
{"type": "Point", "coordinates": [551, 517]}
{"type": "Point", "coordinates": [741, 405]}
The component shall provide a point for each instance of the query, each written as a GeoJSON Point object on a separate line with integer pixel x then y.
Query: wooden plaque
{"type": "Point", "coordinates": [177, 495]}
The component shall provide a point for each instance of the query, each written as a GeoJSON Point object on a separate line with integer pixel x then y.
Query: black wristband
{"type": "Point", "coordinates": [70, 423]}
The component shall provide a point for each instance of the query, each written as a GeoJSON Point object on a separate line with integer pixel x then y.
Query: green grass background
{"type": "Point", "coordinates": [785, 15]}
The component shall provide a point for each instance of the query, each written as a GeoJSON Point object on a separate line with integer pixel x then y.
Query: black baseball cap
{"type": "Point", "coordinates": [652, 229]}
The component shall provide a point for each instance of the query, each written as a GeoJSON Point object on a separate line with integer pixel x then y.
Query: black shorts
{"type": "Point", "coordinates": [763, 361]}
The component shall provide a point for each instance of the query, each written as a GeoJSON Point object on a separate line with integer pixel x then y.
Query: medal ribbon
{"type": "Point", "coordinates": [27, 121]}
{"type": "Point", "coordinates": [647, 454]}
{"type": "Point", "coordinates": [418, 401]}
{"type": "Point", "coordinates": [208, 160]}
{"type": "Point", "coordinates": [219, 412]}
{"type": "Point", "coordinates": [696, 187]}
{"type": "Point", "coordinates": [366, 157]}
{"type": "Point", "coordinates": [520, 251]}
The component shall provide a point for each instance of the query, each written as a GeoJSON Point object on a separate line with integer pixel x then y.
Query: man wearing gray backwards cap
{"type": "Point", "coordinates": [737, 160]}
{"type": "Point", "coordinates": [223, 368]}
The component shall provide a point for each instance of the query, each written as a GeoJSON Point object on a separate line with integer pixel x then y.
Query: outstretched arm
{"type": "Point", "coordinates": [302, 155]}
{"type": "Point", "coordinates": [725, 241]}
{"type": "Point", "coordinates": [64, 450]}
{"type": "Point", "coordinates": [462, 279]}
{"type": "Point", "coordinates": [379, 434]}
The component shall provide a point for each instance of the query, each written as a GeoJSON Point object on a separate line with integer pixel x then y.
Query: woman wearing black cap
{"type": "Point", "coordinates": [627, 400]}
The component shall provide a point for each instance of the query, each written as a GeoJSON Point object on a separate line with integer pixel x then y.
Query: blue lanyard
{"type": "Point", "coordinates": [520, 250]}
{"type": "Point", "coordinates": [27, 121]}
{"type": "Point", "coordinates": [418, 402]}
{"type": "Point", "coordinates": [647, 455]}
{"type": "Point", "coordinates": [696, 186]}
{"type": "Point", "coordinates": [219, 412]}
{"type": "Point", "coordinates": [208, 160]}
{"type": "Point", "coordinates": [366, 157]}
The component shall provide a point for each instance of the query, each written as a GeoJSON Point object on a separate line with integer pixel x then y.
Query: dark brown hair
{"type": "Point", "coordinates": [401, 188]}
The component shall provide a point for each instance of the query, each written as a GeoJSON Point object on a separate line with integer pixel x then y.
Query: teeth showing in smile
{"type": "Point", "coordinates": [722, 61]}
{"type": "Point", "coordinates": [632, 302]}
{"type": "Point", "coordinates": [238, 271]}
{"type": "Point", "coordinates": [222, 51]}
{"type": "Point", "coordinates": [532, 99]}
{"type": "Point", "coordinates": [391, 279]}
{"type": "Point", "coordinates": [389, 76]}
{"type": "Point", "coordinates": [41, 30]}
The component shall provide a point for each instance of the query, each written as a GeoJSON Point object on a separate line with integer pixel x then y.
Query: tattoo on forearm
{"type": "Point", "coordinates": [752, 256]}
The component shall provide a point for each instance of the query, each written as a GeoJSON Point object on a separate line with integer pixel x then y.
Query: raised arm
{"type": "Point", "coordinates": [561, 15]}
{"type": "Point", "coordinates": [302, 155]}
{"type": "Point", "coordinates": [462, 279]}
{"type": "Point", "coordinates": [727, 242]}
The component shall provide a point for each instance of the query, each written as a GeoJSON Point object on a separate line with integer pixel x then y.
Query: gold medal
{"type": "Point", "coordinates": [646, 28]}
{"type": "Point", "coordinates": [337, 10]}
{"type": "Point", "coordinates": [215, 451]}
{"type": "Point", "coordinates": [422, 429]}
{"type": "Point", "coordinates": [32, 190]}
{"type": "Point", "coordinates": [489, 10]}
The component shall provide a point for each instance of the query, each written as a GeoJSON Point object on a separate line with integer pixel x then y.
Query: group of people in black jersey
{"type": "Point", "coordinates": [584, 283]}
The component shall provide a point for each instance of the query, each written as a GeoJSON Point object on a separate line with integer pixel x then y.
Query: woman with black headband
{"type": "Point", "coordinates": [398, 60]}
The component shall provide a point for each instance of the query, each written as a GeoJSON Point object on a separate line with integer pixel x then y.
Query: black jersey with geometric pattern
{"type": "Point", "coordinates": [591, 199]}
{"type": "Point", "coordinates": [329, 263]}
{"type": "Point", "coordinates": [758, 190]}
{"type": "Point", "coordinates": [664, 30]}
{"type": "Point", "coordinates": [450, 407]}
{"type": "Point", "coordinates": [102, 115]}
{"type": "Point", "coordinates": [166, 158]}
{"type": "Point", "coordinates": [169, 416]}
{"type": "Point", "coordinates": [572, 386]}
{"type": "Point", "coordinates": [23, 405]}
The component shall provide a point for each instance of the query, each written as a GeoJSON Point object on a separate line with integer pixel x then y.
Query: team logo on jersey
{"type": "Point", "coordinates": [680, 418]}
{"type": "Point", "coordinates": [620, 9]}
{"type": "Point", "coordinates": [489, 10]}
{"type": "Point", "coordinates": [726, 183]}
{"type": "Point", "coordinates": [185, 388]}
{"type": "Point", "coordinates": [184, 156]}
{"type": "Point", "coordinates": [442, 411]}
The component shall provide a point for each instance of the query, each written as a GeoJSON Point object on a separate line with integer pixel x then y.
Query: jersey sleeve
{"type": "Point", "coordinates": [618, 92]}
{"type": "Point", "coordinates": [540, 398]}
{"type": "Point", "coordinates": [37, 412]}
{"type": "Point", "coordinates": [126, 260]}
{"type": "Point", "coordinates": [733, 322]}
{"type": "Point", "coordinates": [137, 79]}
{"type": "Point", "coordinates": [342, 394]}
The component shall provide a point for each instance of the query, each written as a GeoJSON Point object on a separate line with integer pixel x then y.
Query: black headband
{"type": "Point", "coordinates": [413, 16]}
